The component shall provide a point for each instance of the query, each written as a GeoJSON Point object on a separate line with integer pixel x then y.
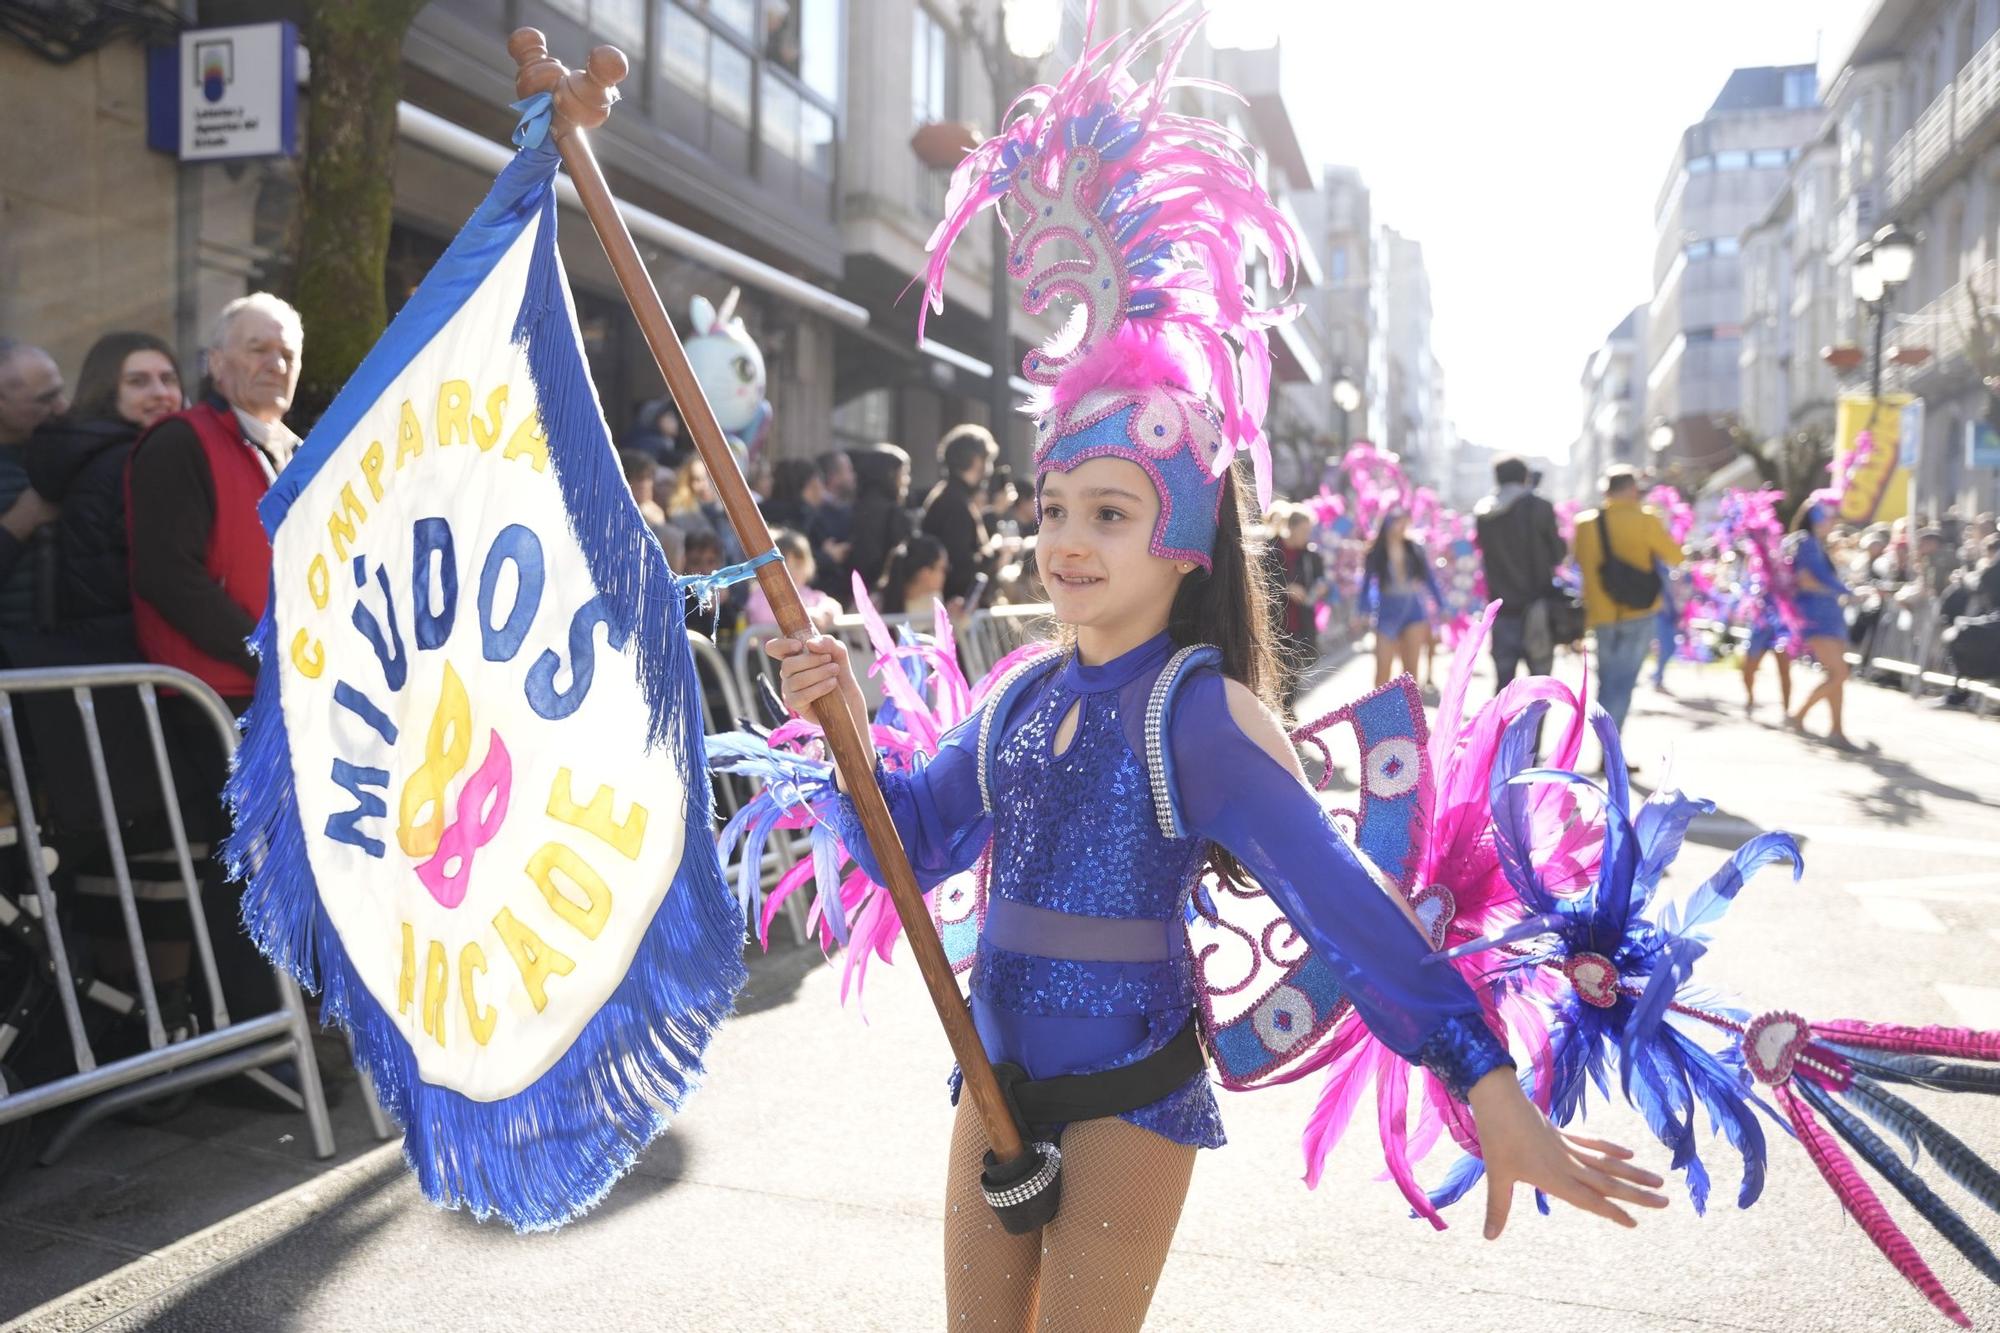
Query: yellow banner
{"type": "Point", "coordinates": [1879, 490]}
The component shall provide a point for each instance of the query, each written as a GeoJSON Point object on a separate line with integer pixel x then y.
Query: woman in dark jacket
{"type": "Point", "coordinates": [129, 382]}
{"type": "Point", "coordinates": [796, 495]}
{"type": "Point", "coordinates": [881, 523]}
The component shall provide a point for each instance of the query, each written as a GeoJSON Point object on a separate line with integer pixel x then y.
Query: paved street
{"type": "Point", "coordinates": [802, 1188]}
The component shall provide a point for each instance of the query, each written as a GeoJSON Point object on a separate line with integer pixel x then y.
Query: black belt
{"type": "Point", "coordinates": [1109, 1092]}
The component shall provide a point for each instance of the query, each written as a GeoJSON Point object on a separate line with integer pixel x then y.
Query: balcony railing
{"type": "Point", "coordinates": [1977, 90]}
{"type": "Point", "coordinates": [1943, 326]}
{"type": "Point", "coordinates": [1964, 112]}
{"type": "Point", "coordinates": [1933, 131]}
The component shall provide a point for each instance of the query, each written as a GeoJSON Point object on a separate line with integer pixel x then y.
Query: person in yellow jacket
{"type": "Point", "coordinates": [1622, 585]}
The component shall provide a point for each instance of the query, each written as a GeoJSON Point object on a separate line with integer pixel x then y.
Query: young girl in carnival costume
{"type": "Point", "coordinates": [1096, 783]}
{"type": "Point", "coordinates": [1395, 579]}
{"type": "Point", "coordinates": [1817, 591]}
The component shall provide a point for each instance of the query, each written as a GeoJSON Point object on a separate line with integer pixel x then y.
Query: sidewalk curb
{"type": "Point", "coordinates": [227, 1242]}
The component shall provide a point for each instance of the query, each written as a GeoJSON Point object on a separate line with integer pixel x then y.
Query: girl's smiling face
{"type": "Point", "coordinates": [1093, 548]}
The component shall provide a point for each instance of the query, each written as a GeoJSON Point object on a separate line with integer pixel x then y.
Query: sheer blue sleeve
{"type": "Point", "coordinates": [1371, 586]}
{"type": "Point", "coordinates": [1235, 794]}
{"type": "Point", "coordinates": [936, 806]}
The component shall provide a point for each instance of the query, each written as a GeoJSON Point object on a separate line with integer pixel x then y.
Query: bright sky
{"type": "Point", "coordinates": [1524, 145]}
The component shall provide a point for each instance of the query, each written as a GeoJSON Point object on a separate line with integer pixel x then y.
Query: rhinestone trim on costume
{"type": "Point", "coordinates": [1594, 978]}
{"type": "Point", "coordinates": [1156, 716]}
{"type": "Point", "coordinates": [1044, 1176]}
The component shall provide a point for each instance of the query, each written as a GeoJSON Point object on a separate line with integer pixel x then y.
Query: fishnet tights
{"type": "Point", "coordinates": [1094, 1267]}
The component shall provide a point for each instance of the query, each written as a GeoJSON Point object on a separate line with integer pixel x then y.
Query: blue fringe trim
{"type": "Point", "coordinates": [551, 1152]}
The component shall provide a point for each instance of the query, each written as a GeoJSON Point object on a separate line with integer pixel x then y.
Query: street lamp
{"type": "Point", "coordinates": [1346, 397]}
{"type": "Point", "coordinates": [1661, 438]}
{"type": "Point", "coordinates": [1880, 267]}
{"type": "Point", "coordinates": [1028, 32]}
{"type": "Point", "coordinates": [1030, 28]}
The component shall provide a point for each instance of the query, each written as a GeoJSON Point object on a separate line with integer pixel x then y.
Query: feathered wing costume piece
{"type": "Point", "coordinates": [1629, 1002]}
{"type": "Point", "coordinates": [1448, 870]}
{"type": "Point", "coordinates": [1141, 219]}
{"type": "Point", "coordinates": [1747, 523]}
{"type": "Point", "coordinates": [925, 695]}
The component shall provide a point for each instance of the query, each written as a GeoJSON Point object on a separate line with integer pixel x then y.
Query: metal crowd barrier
{"type": "Point", "coordinates": [722, 703]}
{"type": "Point", "coordinates": [32, 915]}
{"type": "Point", "coordinates": [1907, 642]}
{"type": "Point", "coordinates": [983, 638]}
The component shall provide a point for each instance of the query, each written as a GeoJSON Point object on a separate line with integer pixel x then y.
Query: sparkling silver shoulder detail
{"type": "Point", "coordinates": [1156, 757]}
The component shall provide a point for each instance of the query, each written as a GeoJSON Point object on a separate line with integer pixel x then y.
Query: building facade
{"type": "Point", "coordinates": [1791, 306]}
{"type": "Point", "coordinates": [1406, 408]}
{"type": "Point", "coordinates": [1918, 95]}
{"type": "Point", "coordinates": [764, 145]}
{"type": "Point", "coordinates": [1726, 170]}
{"type": "Point", "coordinates": [1614, 406]}
{"type": "Point", "coordinates": [724, 151]}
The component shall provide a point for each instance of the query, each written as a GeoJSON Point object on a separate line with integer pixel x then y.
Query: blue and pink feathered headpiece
{"type": "Point", "coordinates": [1139, 218]}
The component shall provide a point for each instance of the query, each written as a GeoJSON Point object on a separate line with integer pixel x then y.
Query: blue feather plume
{"type": "Point", "coordinates": [1513, 837]}
{"type": "Point", "coordinates": [1707, 903]}
{"type": "Point", "coordinates": [1726, 1095]}
{"type": "Point", "coordinates": [1466, 1172]}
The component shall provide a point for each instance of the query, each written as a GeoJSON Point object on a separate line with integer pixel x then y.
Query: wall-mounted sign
{"type": "Point", "coordinates": [225, 93]}
{"type": "Point", "coordinates": [1982, 445]}
{"type": "Point", "coordinates": [1910, 434]}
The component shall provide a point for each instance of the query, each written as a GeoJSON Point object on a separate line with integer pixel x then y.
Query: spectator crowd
{"type": "Point", "coordinates": [129, 533]}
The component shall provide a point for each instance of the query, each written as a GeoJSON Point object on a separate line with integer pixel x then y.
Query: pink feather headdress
{"type": "Point", "coordinates": [1141, 219]}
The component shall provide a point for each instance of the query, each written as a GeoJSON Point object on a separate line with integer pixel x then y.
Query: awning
{"type": "Point", "coordinates": [1292, 359]}
{"type": "Point", "coordinates": [971, 365]}
{"type": "Point", "coordinates": [1740, 471]}
{"type": "Point", "coordinates": [870, 358]}
{"type": "Point", "coordinates": [455, 141]}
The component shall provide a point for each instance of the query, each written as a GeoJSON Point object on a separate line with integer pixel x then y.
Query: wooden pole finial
{"type": "Point", "coordinates": [536, 71]}
{"type": "Point", "coordinates": [583, 97]}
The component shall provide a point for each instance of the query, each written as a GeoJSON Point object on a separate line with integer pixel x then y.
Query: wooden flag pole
{"type": "Point", "coordinates": [582, 102]}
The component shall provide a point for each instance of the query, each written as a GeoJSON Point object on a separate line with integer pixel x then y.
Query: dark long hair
{"type": "Point", "coordinates": [875, 470]}
{"type": "Point", "coordinates": [1377, 562]}
{"type": "Point", "coordinates": [919, 552]}
{"type": "Point", "coordinates": [96, 395]}
{"type": "Point", "coordinates": [789, 479]}
{"type": "Point", "coordinates": [1230, 605]}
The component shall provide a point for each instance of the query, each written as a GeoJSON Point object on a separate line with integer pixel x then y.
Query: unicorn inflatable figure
{"type": "Point", "coordinates": [730, 370]}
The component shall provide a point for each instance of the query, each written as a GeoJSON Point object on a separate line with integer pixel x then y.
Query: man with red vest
{"type": "Point", "coordinates": [201, 564]}
{"type": "Point", "coordinates": [201, 569]}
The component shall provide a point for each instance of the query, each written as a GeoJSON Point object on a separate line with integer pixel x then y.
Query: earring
{"type": "Point", "coordinates": [1186, 568]}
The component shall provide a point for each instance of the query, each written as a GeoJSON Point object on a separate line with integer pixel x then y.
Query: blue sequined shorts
{"type": "Point", "coordinates": [1398, 611]}
{"type": "Point", "coordinates": [1057, 1016]}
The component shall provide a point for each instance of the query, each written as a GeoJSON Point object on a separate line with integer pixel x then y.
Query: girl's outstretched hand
{"type": "Point", "coordinates": [1521, 1147]}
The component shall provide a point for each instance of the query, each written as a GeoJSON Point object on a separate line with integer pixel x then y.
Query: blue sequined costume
{"type": "Point", "coordinates": [1819, 606]}
{"type": "Point", "coordinates": [1084, 962]}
